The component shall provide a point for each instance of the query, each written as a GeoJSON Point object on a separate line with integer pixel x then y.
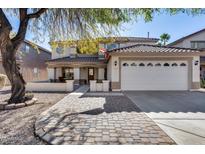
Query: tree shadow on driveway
{"type": "Point", "coordinates": [114, 104]}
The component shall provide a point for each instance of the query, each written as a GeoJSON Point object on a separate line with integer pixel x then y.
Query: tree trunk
{"type": "Point", "coordinates": [13, 73]}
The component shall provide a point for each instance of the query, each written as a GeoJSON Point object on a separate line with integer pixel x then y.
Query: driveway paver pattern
{"type": "Point", "coordinates": [81, 118]}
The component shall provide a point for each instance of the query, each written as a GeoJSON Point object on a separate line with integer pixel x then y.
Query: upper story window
{"type": "Point", "coordinates": [198, 44]}
{"type": "Point", "coordinates": [111, 46]}
{"type": "Point", "coordinates": [59, 50]}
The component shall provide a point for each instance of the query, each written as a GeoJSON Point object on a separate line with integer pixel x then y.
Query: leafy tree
{"type": "Point", "coordinates": [164, 38]}
{"type": "Point", "coordinates": [63, 24]}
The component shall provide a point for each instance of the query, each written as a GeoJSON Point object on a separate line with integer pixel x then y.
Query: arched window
{"type": "Point", "coordinates": [166, 64]}
{"type": "Point", "coordinates": [158, 64]}
{"type": "Point", "coordinates": [174, 64]}
{"type": "Point", "coordinates": [150, 64]}
{"type": "Point", "coordinates": [182, 64]}
{"type": "Point", "coordinates": [141, 64]}
{"type": "Point", "coordinates": [125, 64]}
{"type": "Point", "coordinates": [133, 64]}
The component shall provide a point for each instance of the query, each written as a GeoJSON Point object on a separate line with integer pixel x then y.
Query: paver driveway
{"type": "Point", "coordinates": [181, 114]}
{"type": "Point", "coordinates": [107, 118]}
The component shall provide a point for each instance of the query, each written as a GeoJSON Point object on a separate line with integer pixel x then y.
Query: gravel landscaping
{"type": "Point", "coordinates": [17, 126]}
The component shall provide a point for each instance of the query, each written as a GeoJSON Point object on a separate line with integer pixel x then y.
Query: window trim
{"type": "Point", "coordinates": [196, 45]}
{"type": "Point", "coordinates": [141, 64]}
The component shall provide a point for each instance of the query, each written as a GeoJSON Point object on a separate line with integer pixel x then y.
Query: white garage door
{"type": "Point", "coordinates": [154, 75]}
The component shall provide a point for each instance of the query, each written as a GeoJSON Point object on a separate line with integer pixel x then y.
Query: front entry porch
{"type": "Point", "coordinates": [80, 75]}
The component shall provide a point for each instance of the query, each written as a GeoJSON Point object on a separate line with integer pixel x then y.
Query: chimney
{"type": "Point", "coordinates": [147, 34]}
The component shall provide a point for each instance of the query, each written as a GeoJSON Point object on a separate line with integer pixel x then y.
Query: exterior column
{"type": "Point", "coordinates": [76, 72]}
{"type": "Point", "coordinates": [101, 72]}
{"type": "Point", "coordinates": [51, 73]}
{"type": "Point", "coordinates": [196, 72]}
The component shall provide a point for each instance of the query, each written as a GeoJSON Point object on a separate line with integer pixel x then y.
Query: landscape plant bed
{"type": "Point", "coordinates": [5, 106]}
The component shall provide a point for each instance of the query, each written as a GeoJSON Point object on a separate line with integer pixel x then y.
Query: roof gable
{"type": "Point", "coordinates": [185, 37]}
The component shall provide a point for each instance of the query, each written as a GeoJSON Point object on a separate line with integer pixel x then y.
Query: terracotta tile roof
{"type": "Point", "coordinates": [80, 59]}
{"type": "Point", "coordinates": [152, 48]}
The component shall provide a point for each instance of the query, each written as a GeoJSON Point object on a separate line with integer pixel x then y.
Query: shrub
{"type": "Point", "coordinates": [202, 83]}
{"type": "Point", "coordinates": [2, 80]}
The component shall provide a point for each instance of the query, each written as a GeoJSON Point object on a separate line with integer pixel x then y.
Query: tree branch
{"type": "Point", "coordinates": [24, 19]}
{"type": "Point", "coordinates": [37, 14]}
{"type": "Point", "coordinates": [5, 26]}
{"type": "Point", "coordinates": [20, 36]}
{"type": "Point", "coordinates": [4, 22]}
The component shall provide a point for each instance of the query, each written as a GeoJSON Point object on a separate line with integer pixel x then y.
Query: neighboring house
{"type": "Point", "coordinates": [31, 59]}
{"type": "Point", "coordinates": [195, 40]}
{"type": "Point", "coordinates": [134, 64]}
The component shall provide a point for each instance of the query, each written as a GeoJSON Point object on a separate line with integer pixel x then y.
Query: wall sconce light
{"type": "Point", "coordinates": [115, 63]}
{"type": "Point", "coordinates": [196, 62]}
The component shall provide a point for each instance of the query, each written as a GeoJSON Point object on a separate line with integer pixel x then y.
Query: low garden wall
{"type": "Point", "coordinates": [50, 86]}
{"type": "Point", "coordinates": [104, 86]}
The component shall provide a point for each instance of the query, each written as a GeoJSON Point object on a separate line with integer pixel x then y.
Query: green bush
{"type": "Point", "coordinates": [202, 83]}
{"type": "Point", "coordinates": [2, 80]}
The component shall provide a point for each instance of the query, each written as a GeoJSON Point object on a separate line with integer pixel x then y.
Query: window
{"type": "Point", "coordinates": [133, 64]}
{"type": "Point", "coordinates": [68, 73]}
{"type": "Point", "coordinates": [182, 64]}
{"type": "Point", "coordinates": [141, 64]}
{"type": "Point", "coordinates": [198, 44]}
{"type": "Point", "coordinates": [174, 64]}
{"type": "Point", "coordinates": [35, 71]}
{"type": "Point", "coordinates": [111, 46]}
{"type": "Point", "coordinates": [125, 64]}
{"type": "Point", "coordinates": [59, 50]}
{"type": "Point", "coordinates": [158, 64]}
{"type": "Point", "coordinates": [166, 64]}
{"type": "Point", "coordinates": [150, 64]}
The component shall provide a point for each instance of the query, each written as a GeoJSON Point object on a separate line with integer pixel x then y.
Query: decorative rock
{"type": "Point", "coordinates": [9, 106]}
{"type": "Point", "coordinates": [31, 102]}
{"type": "Point", "coordinates": [20, 105]}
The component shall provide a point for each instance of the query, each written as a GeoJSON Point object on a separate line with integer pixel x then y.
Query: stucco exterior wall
{"type": "Point", "coordinates": [50, 73]}
{"type": "Point", "coordinates": [84, 73]}
{"type": "Point", "coordinates": [58, 72]}
{"type": "Point", "coordinates": [109, 69]}
{"type": "Point", "coordinates": [101, 72]}
{"type": "Point", "coordinates": [196, 69]}
{"type": "Point", "coordinates": [66, 52]}
{"type": "Point", "coordinates": [33, 63]}
{"type": "Point", "coordinates": [187, 42]}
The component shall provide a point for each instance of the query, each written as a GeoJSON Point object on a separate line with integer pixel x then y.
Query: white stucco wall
{"type": "Point", "coordinates": [187, 42]}
{"type": "Point", "coordinates": [115, 69]}
{"type": "Point", "coordinates": [50, 73]}
{"type": "Point", "coordinates": [196, 69]}
{"type": "Point", "coordinates": [76, 73]}
{"type": "Point", "coordinates": [84, 73]}
{"type": "Point", "coordinates": [101, 72]}
{"type": "Point", "coordinates": [109, 69]}
{"type": "Point", "coordinates": [58, 72]}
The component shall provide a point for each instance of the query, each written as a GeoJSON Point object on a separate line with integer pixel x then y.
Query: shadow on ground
{"type": "Point", "coordinates": [113, 104]}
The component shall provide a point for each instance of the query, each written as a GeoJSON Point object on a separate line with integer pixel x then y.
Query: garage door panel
{"type": "Point", "coordinates": [154, 77]}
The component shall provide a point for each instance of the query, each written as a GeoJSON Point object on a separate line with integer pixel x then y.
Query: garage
{"type": "Point", "coordinates": [154, 75]}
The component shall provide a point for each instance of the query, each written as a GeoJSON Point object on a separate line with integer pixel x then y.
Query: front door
{"type": "Point", "coordinates": [90, 74]}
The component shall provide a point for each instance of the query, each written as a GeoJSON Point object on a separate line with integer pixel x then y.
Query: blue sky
{"type": "Point", "coordinates": [177, 26]}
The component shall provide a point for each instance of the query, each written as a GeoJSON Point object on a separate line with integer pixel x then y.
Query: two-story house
{"type": "Point", "coordinates": [32, 61]}
{"type": "Point", "coordinates": [135, 63]}
{"type": "Point", "coordinates": [195, 40]}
